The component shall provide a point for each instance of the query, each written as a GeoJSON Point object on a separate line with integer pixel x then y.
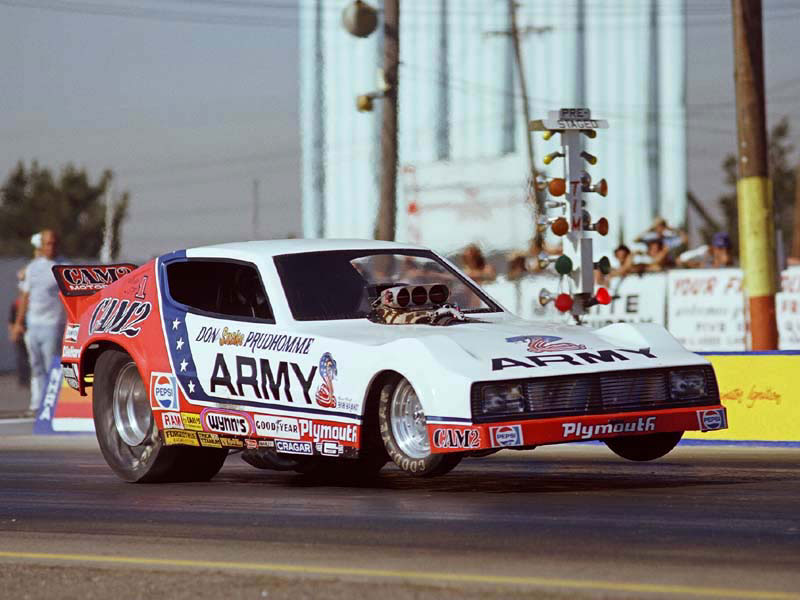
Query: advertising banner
{"type": "Point", "coordinates": [787, 305]}
{"type": "Point", "coordinates": [761, 396]}
{"type": "Point", "coordinates": [63, 409]}
{"type": "Point", "coordinates": [706, 309]}
{"type": "Point", "coordinates": [635, 299]}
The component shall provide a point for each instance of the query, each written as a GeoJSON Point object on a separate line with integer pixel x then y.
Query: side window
{"type": "Point", "coordinates": [232, 289]}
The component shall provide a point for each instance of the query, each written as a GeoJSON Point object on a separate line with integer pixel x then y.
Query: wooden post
{"type": "Point", "coordinates": [754, 192]}
{"type": "Point", "coordinates": [387, 209]}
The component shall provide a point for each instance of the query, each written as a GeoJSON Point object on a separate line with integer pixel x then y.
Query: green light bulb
{"type": "Point", "coordinates": [563, 265]}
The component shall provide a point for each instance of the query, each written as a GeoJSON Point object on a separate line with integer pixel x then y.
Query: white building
{"type": "Point", "coordinates": [463, 161]}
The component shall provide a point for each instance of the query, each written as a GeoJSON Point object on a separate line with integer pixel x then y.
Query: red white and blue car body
{"type": "Point", "coordinates": [271, 347]}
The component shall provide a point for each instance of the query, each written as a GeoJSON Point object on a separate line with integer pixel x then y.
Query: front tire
{"type": "Point", "coordinates": [404, 432]}
{"type": "Point", "coordinates": [644, 447]}
{"type": "Point", "coordinates": [128, 436]}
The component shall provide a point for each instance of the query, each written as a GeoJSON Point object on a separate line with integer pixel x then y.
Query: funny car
{"type": "Point", "coordinates": [315, 354]}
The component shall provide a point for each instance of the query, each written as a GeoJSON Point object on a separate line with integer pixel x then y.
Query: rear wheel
{"type": "Point", "coordinates": [404, 432]}
{"type": "Point", "coordinates": [644, 447]}
{"type": "Point", "coordinates": [128, 436]}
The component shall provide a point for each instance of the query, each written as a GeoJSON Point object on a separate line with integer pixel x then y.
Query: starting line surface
{"type": "Point", "coordinates": [410, 575]}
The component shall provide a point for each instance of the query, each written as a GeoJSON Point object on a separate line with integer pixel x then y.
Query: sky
{"type": "Point", "coordinates": [191, 101]}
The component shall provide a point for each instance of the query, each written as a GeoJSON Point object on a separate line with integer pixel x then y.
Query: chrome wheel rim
{"type": "Point", "coordinates": [132, 415]}
{"type": "Point", "coordinates": [409, 426]}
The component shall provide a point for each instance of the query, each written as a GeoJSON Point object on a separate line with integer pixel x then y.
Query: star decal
{"type": "Point", "coordinates": [179, 344]}
{"type": "Point", "coordinates": [184, 364]}
{"type": "Point", "coordinates": [175, 324]}
{"type": "Point", "coordinates": [191, 386]}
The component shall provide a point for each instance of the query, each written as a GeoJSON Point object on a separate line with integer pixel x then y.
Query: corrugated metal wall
{"type": "Point", "coordinates": [456, 63]}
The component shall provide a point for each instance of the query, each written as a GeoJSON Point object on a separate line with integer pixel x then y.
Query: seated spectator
{"type": "Point", "coordinates": [475, 265]}
{"type": "Point", "coordinates": [717, 255]}
{"type": "Point", "coordinates": [721, 255]}
{"type": "Point", "coordinates": [535, 249]}
{"type": "Point", "coordinates": [624, 257]}
{"type": "Point", "coordinates": [516, 268]}
{"type": "Point", "coordinates": [672, 237]}
{"type": "Point", "coordinates": [658, 253]}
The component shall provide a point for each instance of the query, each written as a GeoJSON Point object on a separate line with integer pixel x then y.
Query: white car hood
{"type": "Point", "coordinates": [504, 347]}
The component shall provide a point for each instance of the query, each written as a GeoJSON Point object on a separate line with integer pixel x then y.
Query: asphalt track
{"type": "Point", "coordinates": [558, 522]}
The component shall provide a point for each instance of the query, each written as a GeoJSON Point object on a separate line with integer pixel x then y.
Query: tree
{"type": "Point", "coordinates": [782, 175]}
{"type": "Point", "coordinates": [32, 199]}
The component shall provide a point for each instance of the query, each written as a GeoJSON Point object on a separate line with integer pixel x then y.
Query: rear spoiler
{"type": "Point", "coordinates": [85, 280]}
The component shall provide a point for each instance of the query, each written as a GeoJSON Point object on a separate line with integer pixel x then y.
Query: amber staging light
{"type": "Point", "coordinates": [557, 186]}
{"type": "Point", "coordinates": [560, 226]}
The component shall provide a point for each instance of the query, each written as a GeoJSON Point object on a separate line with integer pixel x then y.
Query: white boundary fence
{"type": "Point", "coordinates": [703, 308]}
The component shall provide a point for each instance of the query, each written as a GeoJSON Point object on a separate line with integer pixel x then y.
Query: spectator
{"type": "Point", "coordinates": [658, 253]}
{"type": "Point", "coordinates": [536, 248]}
{"type": "Point", "coordinates": [721, 250]}
{"type": "Point", "coordinates": [717, 255]}
{"type": "Point", "coordinates": [516, 268]}
{"type": "Point", "coordinates": [40, 316]}
{"type": "Point", "coordinates": [23, 368]}
{"type": "Point", "coordinates": [475, 265]}
{"type": "Point", "coordinates": [624, 257]}
{"type": "Point", "coordinates": [672, 238]}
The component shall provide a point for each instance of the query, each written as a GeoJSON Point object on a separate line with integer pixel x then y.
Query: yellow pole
{"type": "Point", "coordinates": [754, 191]}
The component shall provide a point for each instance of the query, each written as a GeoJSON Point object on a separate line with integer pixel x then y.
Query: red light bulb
{"type": "Point", "coordinates": [563, 302]}
{"type": "Point", "coordinates": [602, 296]}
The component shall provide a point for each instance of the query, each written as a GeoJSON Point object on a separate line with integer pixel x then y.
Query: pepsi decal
{"type": "Point", "coordinates": [163, 392]}
{"type": "Point", "coordinates": [506, 435]}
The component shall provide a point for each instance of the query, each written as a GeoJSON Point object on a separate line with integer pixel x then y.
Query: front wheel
{"type": "Point", "coordinates": [404, 432]}
{"type": "Point", "coordinates": [644, 447]}
{"type": "Point", "coordinates": [128, 436]}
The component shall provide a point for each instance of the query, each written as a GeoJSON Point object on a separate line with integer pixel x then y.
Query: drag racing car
{"type": "Point", "coordinates": [322, 354]}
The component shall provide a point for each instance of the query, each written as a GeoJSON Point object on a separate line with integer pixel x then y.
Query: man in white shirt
{"type": "Point", "coordinates": [40, 316]}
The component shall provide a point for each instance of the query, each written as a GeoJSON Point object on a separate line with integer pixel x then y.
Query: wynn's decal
{"type": "Point", "coordinates": [230, 423]}
{"type": "Point", "coordinates": [578, 359]}
{"type": "Point", "coordinates": [259, 377]}
{"type": "Point", "coordinates": [116, 316]}
{"type": "Point", "coordinates": [545, 343]}
{"type": "Point", "coordinates": [328, 371]}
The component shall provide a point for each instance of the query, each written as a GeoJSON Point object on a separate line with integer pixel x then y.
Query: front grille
{"type": "Point", "coordinates": [596, 393]}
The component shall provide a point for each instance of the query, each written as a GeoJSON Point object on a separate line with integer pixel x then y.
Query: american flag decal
{"type": "Point", "coordinates": [545, 343]}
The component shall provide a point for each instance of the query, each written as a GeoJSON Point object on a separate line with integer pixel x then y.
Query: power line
{"type": "Point", "coordinates": [598, 14]}
{"type": "Point", "coordinates": [137, 12]}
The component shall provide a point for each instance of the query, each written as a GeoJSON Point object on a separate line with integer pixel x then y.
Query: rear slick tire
{"type": "Point", "coordinates": [404, 433]}
{"type": "Point", "coordinates": [128, 436]}
{"type": "Point", "coordinates": [642, 448]}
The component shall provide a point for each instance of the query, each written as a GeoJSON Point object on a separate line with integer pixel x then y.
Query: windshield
{"type": "Point", "coordinates": [342, 284]}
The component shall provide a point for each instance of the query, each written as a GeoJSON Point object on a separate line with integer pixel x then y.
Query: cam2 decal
{"type": "Point", "coordinates": [119, 316]}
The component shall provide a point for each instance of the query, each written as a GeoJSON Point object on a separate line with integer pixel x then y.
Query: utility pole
{"type": "Point", "coordinates": [796, 229]}
{"type": "Point", "coordinates": [512, 11]}
{"type": "Point", "coordinates": [256, 202]}
{"type": "Point", "coordinates": [387, 209]}
{"type": "Point", "coordinates": [105, 251]}
{"type": "Point", "coordinates": [515, 32]}
{"type": "Point", "coordinates": [753, 189]}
